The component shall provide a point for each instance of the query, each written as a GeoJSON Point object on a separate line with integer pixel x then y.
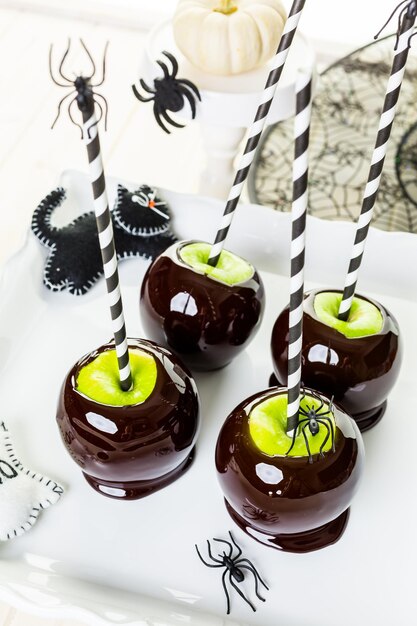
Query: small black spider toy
{"type": "Point", "coordinates": [169, 94]}
{"type": "Point", "coordinates": [235, 567]}
{"type": "Point", "coordinates": [313, 418]}
{"type": "Point", "coordinates": [82, 88]}
{"type": "Point", "coordinates": [142, 228]}
{"type": "Point", "coordinates": [406, 17]}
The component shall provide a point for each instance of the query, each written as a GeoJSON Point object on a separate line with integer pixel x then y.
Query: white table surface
{"type": "Point", "coordinates": [31, 156]}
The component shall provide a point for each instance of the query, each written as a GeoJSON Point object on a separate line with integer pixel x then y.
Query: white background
{"type": "Point", "coordinates": [335, 26]}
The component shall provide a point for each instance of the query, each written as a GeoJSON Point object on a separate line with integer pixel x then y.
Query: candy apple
{"type": "Point", "coordinates": [129, 444]}
{"type": "Point", "coordinates": [356, 361]}
{"type": "Point", "coordinates": [205, 314]}
{"type": "Point", "coordinates": [290, 491]}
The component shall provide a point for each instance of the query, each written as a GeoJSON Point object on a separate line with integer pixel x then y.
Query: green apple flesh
{"type": "Point", "coordinates": [364, 318]}
{"type": "Point", "coordinates": [230, 269]}
{"type": "Point", "coordinates": [267, 427]}
{"type": "Point", "coordinates": [100, 381]}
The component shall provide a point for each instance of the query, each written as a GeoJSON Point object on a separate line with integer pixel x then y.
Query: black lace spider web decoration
{"type": "Point", "coordinates": [346, 112]}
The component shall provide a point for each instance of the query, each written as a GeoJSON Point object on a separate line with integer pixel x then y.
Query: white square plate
{"type": "Point", "coordinates": [112, 562]}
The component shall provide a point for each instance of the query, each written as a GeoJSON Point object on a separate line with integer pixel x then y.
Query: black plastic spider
{"type": "Point", "coordinates": [83, 92]}
{"type": "Point", "coordinates": [169, 94]}
{"type": "Point", "coordinates": [312, 420]}
{"type": "Point", "coordinates": [234, 566]}
{"type": "Point", "coordinates": [408, 12]}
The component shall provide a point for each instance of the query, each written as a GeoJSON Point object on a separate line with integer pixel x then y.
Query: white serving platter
{"type": "Point", "coordinates": [134, 563]}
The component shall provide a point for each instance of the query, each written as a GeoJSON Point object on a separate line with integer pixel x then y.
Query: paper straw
{"type": "Point", "coordinates": [256, 129]}
{"type": "Point", "coordinates": [298, 219]}
{"type": "Point", "coordinates": [378, 158]}
{"type": "Point", "coordinates": [106, 239]}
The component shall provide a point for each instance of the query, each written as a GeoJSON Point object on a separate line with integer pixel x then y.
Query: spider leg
{"type": "Point", "coordinates": [310, 457]}
{"type": "Point", "coordinates": [303, 411]}
{"type": "Point", "coordinates": [320, 407]}
{"type": "Point", "coordinates": [409, 41]}
{"type": "Point", "coordinates": [258, 595]}
{"type": "Point", "coordinates": [157, 112]}
{"type": "Point", "coordinates": [320, 421]}
{"type": "Point", "coordinates": [242, 595]}
{"type": "Point", "coordinates": [138, 95]}
{"type": "Point", "coordinates": [390, 18]}
{"type": "Point", "coordinates": [59, 107]}
{"type": "Point", "coordinates": [164, 69]}
{"type": "Point", "coordinates": [51, 71]}
{"type": "Point", "coordinates": [239, 549]}
{"type": "Point", "coordinates": [191, 102]}
{"type": "Point", "coordinates": [210, 554]}
{"type": "Point", "coordinates": [98, 120]}
{"type": "Point", "coordinates": [225, 591]}
{"type": "Point", "coordinates": [61, 65]}
{"type": "Point", "coordinates": [203, 561]}
{"type": "Point", "coordinates": [88, 78]}
{"type": "Point", "coordinates": [332, 431]}
{"type": "Point", "coordinates": [72, 119]}
{"type": "Point", "coordinates": [253, 570]}
{"type": "Point", "coordinates": [170, 120]}
{"type": "Point", "coordinates": [173, 61]}
{"type": "Point", "coordinates": [106, 108]}
{"type": "Point", "coordinates": [190, 85]}
{"type": "Point", "coordinates": [228, 544]}
{"type": "Point", "coordinates": [294, 436]}
{"type": "Point", "coordinates": [145, 86]}
{"type": "Point", "coordinates": [103, 75]}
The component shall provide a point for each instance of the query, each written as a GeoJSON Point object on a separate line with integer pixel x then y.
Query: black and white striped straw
{"type": "Point", "coordinates": [257, 128]}
{"type": "Point", "coordinates": [298, 220]}
{"type": "Point", "coordinates": [378, 156]}
{"type": "Point", "coordinates": [106, 239]}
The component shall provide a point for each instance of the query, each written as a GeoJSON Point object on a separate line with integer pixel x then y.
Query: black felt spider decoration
{"type": "Point", "coordinates": [169, 94]}
{"type": "Point", "coordinates": [313, 418]}
{"type": "Point", "coordinates": [83, 89]}
{"type": "Point", "coordinates": [235, 566]}
{"type": "Point", "coordinates": [141, 222]}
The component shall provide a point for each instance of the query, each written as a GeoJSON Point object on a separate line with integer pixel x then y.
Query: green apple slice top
{"type": "Point", "coordinates": [99, 380]}
{"type": "Point", "coordinates": [267, 427]}
{"type": "Point", "coordinates": [364, 318]}
{"type": "Point", "coordinates": [231, 269]}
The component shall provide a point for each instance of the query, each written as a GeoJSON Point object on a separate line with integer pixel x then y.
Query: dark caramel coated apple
{"type": "Point", "coordinates": [131, 451]}
{"type": "Point", "coordinates": [292, 503]}
{"type": "Point", "coordinates": [204, 320]}
{"type": "Point", "coordinates": [359, 372]}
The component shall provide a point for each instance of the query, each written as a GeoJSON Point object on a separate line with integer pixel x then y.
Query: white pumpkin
{"type": "Point", "coordinates": [228, 36]}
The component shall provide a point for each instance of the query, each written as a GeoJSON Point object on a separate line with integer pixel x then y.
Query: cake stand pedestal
{"type": "Point", "coordinates": [228, 103]}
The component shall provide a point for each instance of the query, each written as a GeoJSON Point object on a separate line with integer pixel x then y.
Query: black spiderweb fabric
{"type": "Point", "coordinates": [346, 112]}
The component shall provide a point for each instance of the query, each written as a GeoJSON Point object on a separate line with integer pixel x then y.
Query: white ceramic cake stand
{"type": "Point", "coordinates": [228, 103]}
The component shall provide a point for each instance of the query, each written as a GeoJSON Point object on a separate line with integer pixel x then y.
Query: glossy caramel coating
{"type": "Point", "coordinates": [129, 451]}
{"type": "Point", "coordinates": [207, 322]}
{"type": "Point", "coordinates": [359, 372]}
{"type": "Point", "coordinates": [282, 496]}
